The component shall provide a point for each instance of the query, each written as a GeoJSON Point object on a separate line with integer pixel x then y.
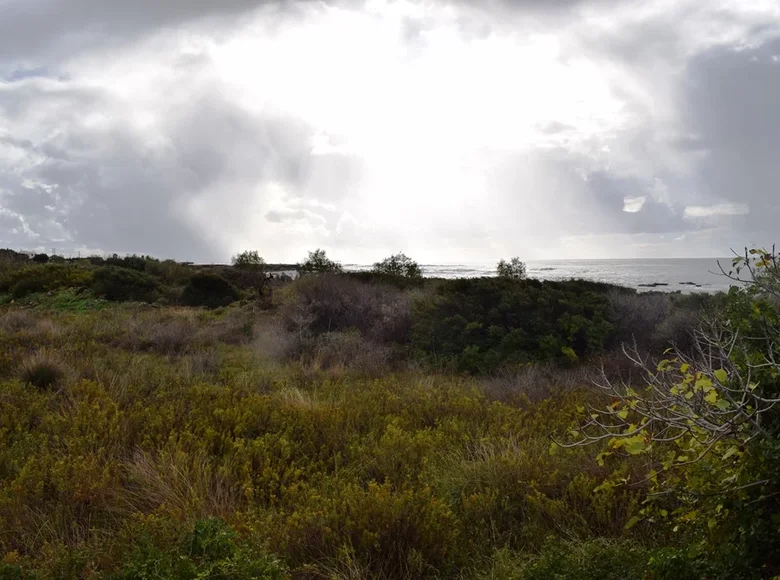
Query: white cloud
{"type": "Point", "coordinates": [717, 210]}
{"type": "Point", "coordinates": [633, 204]}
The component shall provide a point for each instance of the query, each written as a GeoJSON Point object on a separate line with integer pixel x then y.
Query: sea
{"type": "Point", "coordinates": [684, 275]}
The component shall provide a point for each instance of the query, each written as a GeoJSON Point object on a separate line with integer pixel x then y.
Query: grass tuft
{"type": "Point", "coordinates": [43, 370]}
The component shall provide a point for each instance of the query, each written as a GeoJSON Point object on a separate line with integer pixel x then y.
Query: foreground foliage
{"type": "Point", "coordinates": [353, 427]}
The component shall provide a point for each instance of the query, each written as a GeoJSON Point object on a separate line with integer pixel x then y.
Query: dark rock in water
{"type": "Point", "coordinates": [653, 285]}
{"type": "Point", "coordinates": [690, 284]}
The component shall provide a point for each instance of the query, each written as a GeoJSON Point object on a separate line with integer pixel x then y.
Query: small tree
{"type": "Point", "coordinates": [248, 260]}
{"type": "Point", "coordinates": [40, 258]}
{"type": "Point", "coordinates": [514, 268]}
{"type": "Point", "coordinates": [318, 263]}
{"type": "Point", "coordinates": [706, 421]}
{"type": "Point", "coordinates": [399, 265]}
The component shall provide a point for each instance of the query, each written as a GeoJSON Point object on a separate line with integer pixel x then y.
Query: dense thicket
{"type": "Point", "coordinates": [481, 324]}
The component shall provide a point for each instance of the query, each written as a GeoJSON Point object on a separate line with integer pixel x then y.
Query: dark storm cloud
{"type": "Point", "coordinates": [609, 194]}
{"type": "Point", "coordinates": [111, 190]}
{"type": "Point", "coordinates": [730, 104]}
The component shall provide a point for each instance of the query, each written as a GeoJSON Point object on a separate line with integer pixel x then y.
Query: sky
{"type": "Point", "coordinates": [454, 131]}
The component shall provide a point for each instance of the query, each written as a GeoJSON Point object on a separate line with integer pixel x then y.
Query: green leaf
{"type": "Point", "coordinates": [623, 413]}
{"type": "Point", "coordinates": [684, 368]}
{"type": "Point", "coordinates": [730, 451]}
{"type": "Point", "coordinates": [635, 445]}
{"type": "Point", "coordinates": [711, 397]}
{"type": "Point", "coordinates": [721, 375]}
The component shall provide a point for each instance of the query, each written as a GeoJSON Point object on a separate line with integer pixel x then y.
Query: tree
{"type": "Point", "coordinates": [399, 265]}
{"type": "Point", "coordinates": [40, 258]}
{"type": "Point", "coordinates": [318, 263]}
{"type": "Point", "coordinates": [706, 422]}
{"type": "Point", "coordinates": [248, 260]}
{"type": "Point", "coordinates": [514, 268]}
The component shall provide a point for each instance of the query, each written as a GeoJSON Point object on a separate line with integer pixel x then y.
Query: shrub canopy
{"type": "Point", "coordinates": [209, 290]}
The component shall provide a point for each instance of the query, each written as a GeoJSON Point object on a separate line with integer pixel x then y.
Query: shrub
{"type": "Point", "coordinates": [481, 324]}
{"type": "Point", "coordinates": [124, 284]}
{"type": "Point", "coordinates": [133, 262]}
{"type": "Point", "coordinates": [318, 263]}
{"type": "Point", "coordinates": [40, 258]}
{"type": "Point", "coordinates": [332, 302]}
{"type": "Point", "coordinates": [349, 349]}
{"type": "Point", "coordinates": [169, 271]}
{"type": "Point", "coordinates": [514, 269]}
{"type": "Point", "coordinates": [637, 316]}
{"type": "Point", "coordinates": [43, 371]}
{"type": "Point", "coordinates": [18, 320]}
{"type": "Point", "coordinates": [169, 337]}
{"type": "Point", "coordinates": [45, 278]}
{"type": "Point", "coordinates": [248, 260]}
{"type": "Point", "coordinates": [211, 550]}
{"type": "Point", "coordinates": [398, 265]}
{"type": "Point", "coordinates": [534, 382]}
{"type": "Point", "coordinates": [11, 257]}
{"type": "Point", "coordinates": [594, 560]}
{"type": "Point", "coordinates": [677, 330]}
{"type": "Point", "coordinates": [209, 290]}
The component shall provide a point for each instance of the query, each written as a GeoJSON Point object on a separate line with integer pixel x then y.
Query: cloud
{"type": "Point", "coordinates": [633, 204]}
{"type": "Point", "coordinates": [458, 131]}
{"type": "Point", "coordinates": [718, 210]}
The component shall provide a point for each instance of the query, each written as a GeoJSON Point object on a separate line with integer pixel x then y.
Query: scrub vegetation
{"type": "Point", "coordinates": [164, 420]}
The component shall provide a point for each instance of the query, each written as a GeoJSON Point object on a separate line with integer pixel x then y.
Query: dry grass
{"type": "Point", "coordinates": [43, 370]}
{"type": "Point", "coordinates": [535, 382]}
{"type": "Point", "coordinates": [23, 321]}
{"type": "Point", "coordinates": [342, 350]}
{"type": "Point", "coordinates": [18, 321]}
{"type": "Point", "coordinates": [273, 342]}
{"type": "Point", "coordinates": [204, 362]}
{"type": "Point", "coordinates": [298, 398]}
{"type": "Point", "coordinates": [188, 485]}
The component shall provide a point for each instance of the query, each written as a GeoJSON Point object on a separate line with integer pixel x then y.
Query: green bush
{"type": "Point", "coordinates": [133, 262]}
{"type": "Point", "coordinates": [603, 559]}
{"type": "Point", "coordinates": [248, 260]}
{"type": "Point", "coordinates": [595, 560]}
{"type": "Point", "coordinates": [398, 266]}
{"type": "Point", "coordinates": [123, 284]}
{"type": "Point", "coordinates": [318, 262]}
{"type": "Point", "coordinates": [209, 290]}
{"type": "Point", "coordinates": [514, 268]}
{"type": "Point", "coordinates": [45, 278]}
{"type": "Point", "coordinates": [482, 324]}
{"type": "Point", "coordinates": [210, 550]}
{"type": "Point", "coordinates": [14, 572]}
